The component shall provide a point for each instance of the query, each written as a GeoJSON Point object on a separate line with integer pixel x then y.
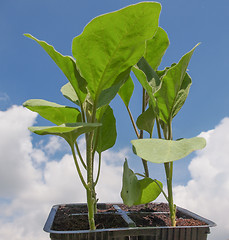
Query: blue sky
{"type": "Point", "coordinates": [26, 71]}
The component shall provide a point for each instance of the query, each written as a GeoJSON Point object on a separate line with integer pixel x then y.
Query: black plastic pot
{"type": "Point", "coordinates": [128, 229]}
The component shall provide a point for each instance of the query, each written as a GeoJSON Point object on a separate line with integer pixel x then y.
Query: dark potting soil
{"type": "Point", "coordinates": [67, 217]}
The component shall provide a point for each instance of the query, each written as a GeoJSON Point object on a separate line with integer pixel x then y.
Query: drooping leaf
{"type": "Point", "coordinates": [146, 120]}
{"type": "Point", "coordinates": [107, 132]}
{"type": "Point", "coordinates": [149, 190]}
{"type": "Point", "coordinates": [172, 83]}
{"type": "Point", "coordinates": [69, 92]}
{"type": "Point", "coordinates": [162, 151]}
{"type": "Point", "coordinates": [156, 47]}
{"type": "Point", "coordinates": [130, 186]}
{"type": "Point", "coordinates": [57, 114]}
{"type": "Point", "coordinates": [67, 65]}
{"type": "Point", "coordinates": [70, 132]}
{"type": "Point", "coordinates": [134, 191]}
{"type": "Point", "coordinates": [126, 91]}
{"type": "Point", "coordinates": [112, 43]}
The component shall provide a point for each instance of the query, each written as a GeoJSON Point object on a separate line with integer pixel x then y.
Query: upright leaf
{"type": "Point", "coordinates": [112, 43]}
{"type": "Point", "coordinates": [172, 83]}
{"type": "Point", "coordinates": [107, 132]}
{"type": "Point", "coordinates": [57, 114]}
{"type": "Point", "coordinates": [70, 132]}
{"type": "Point", "coordinates": [156, 47]}
{"type": "Point", "coordinates": [162, 151]}
{"type": "Point", "coordinates": [67, 65]}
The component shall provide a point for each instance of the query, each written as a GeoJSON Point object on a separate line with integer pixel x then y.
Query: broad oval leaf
{"type": "Point", "coordinates": [162, 151]}
{"type": "Point", "coordinates": [112, 43]}
{"type": "Point", "coordinates": [69, 131]}
{"type": "Point", "coordinates": [149, 190]}
{"type": "Point", "coordinates": [57, 114]}
{"type": "Point", "coordinates": [67, 65]}
{"type": "Point", "coordinates": [107, 132]}
{"type": "Point", "coordinates": [172, 82]}
{"type": "Point", "coordinates": [156, 47]}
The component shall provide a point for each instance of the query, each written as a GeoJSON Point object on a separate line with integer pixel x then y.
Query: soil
{"type": "Point", "coordinates": [67, 217]}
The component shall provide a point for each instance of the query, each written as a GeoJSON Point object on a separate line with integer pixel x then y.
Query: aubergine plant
{"type": "Point", "coordinates": [164, 93]}
{"type": "Point", "coordinates": [103, 56]}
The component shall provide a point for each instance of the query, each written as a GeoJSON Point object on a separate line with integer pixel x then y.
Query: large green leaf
{"type": "Point", "coordinates": [172, 84]}
{"type": "Point", "coordinates": [146, 120]}
{"type": "Point", "coordinates": [162, 151]}
{"type": "Point", "coordinates": [57, 114]}
{"type": "Point", "coordinates": [156, 47]}
{"type": "Point", "coordinates": [135, 192]}
{"type": "Point", "coordinates": [68, 91]}
{"type": "Point", "coordinates": [70, 132]}
{"type": "Point", "coordinates": [67, 65]}
{"type": "Point", "coordinates": [126, 91]}
{"type": "Point", "coordinates": [112, 43]}
{"type": "Point", "coordinates": [107, 132]}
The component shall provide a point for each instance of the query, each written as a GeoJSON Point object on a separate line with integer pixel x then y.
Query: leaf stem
{"type": "Point", "coordinates": [133, 122]}
{"type": "Point", "coordinates": [78, 168]}
{"type": "Point", "coordinates": [80, 156]}
{"type": "Point", "coordinates": [99, 168]}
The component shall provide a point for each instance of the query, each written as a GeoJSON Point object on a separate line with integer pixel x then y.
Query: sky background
{"type": "Point", "coordinates": [37, 172]}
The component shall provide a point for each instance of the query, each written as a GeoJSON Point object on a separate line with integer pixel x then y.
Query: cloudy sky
{"type": "Point", "coordinates": [37, 172]}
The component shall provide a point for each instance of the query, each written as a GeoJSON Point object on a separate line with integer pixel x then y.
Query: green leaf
{"type": "Point", "coordinates": [107, 132]}
{"type": "Point", "coordinates": [149, 190]}
{"type": "Point", "coordinates": [69, 131]}
{"type": "Point", "coordinates": [130, 186]}
{"type": "Point", "coordinates": [134, 191]}
{"type": "Point", "coordinates": [69, 92]}
{"type": "Point", "coordinates": [172, 83]}
{"type": "Point", "coordinates": [126, 91]}
{"type": "Point", "coordinates": [182, 95]}
{"type": "Point", "coordinates": [162, 151]}
{"type": "Point", "coordinates": [57, 114]}
{"type": "Point", "coordinates": [156, 47]}
{"type": "Point", "coordinates": [67, 65]}
{"type": "Point", "coordinates": [146, 120]}
{"type": "Point", "coordinates": [112, 43]}
{"type": "Point", "coordinates": [148, 79]}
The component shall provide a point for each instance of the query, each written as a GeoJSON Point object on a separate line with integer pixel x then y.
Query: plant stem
{"type": "Point", "coordinates": [91, 198]}
{"type": "Point", "coordinates": [133, 122]}
{"type": "Point", "coordinates": [169, 178]}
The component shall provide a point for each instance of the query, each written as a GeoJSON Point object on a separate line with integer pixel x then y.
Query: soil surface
{"type": "Point", "coordinates": [67, 217]}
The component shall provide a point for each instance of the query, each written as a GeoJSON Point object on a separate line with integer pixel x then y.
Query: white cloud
{"type": "Point", "coordinates": [30, 184]}
{"type": "Point", "coordinates": [207, 193]}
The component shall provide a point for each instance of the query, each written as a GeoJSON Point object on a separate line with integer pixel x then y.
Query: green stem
{"type": "Point", "coordinates": [80, 156]}
{"type": "Point", "coordinates": [91, 198]}
{"type": "Point", "coordinates": [77, 167]}
{"type": "Point", "coordinates": [99, 168]}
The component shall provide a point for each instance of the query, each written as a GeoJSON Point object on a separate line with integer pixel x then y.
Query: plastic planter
{"type": "Point", "coordinates": [128, 229]}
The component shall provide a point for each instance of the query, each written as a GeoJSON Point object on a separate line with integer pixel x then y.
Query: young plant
{"type": "Point", "coordinates": [165, 93]}
{"type": "Point", "coordinates": [103, 55]}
